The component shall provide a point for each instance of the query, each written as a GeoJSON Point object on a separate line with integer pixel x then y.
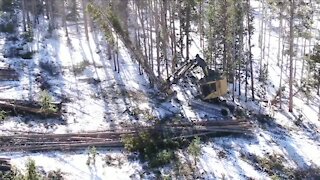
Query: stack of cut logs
{"type": "Point", "coordinates": [5, 165]}
{"type": "Point", "coordinates": [7, 74]}
{"type": "Point", "coordinates": [112, 138]}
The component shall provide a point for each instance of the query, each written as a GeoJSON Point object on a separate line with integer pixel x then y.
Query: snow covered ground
{"type": "Point", "coordinates": [95, 93]}
{"type": "Point", "coordinates": [299, 145]}
{"type": "Point", "coordinates": [99, 98]}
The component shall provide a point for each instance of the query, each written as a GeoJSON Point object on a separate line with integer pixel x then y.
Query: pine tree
{"type": "Point", "coordinates": [291, 38]}
{"type": "Point", "coordinates": [249, 62]}
{"type": "Point", "coordinates": [195, 149]}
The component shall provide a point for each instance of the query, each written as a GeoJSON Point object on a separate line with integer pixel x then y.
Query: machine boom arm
{"type": "Point", "coordinates": [187, 67]}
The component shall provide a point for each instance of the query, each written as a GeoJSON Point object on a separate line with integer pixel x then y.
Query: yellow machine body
{"type": "Point", "coordinates": [214, 89]}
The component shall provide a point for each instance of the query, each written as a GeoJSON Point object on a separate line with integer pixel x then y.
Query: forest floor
{"type": "Point", "coordinates": [96, 97]}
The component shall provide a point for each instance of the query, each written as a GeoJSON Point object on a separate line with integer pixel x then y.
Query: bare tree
{"type": "Point", "coordinates": [84, 5]}
{"type": "Point", "coordinates": [291, 39]}
{"type": "Point", "coordinates": [64, 18]}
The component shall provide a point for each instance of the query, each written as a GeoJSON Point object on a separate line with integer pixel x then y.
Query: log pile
{"type": "Point", "coordinates": [113, 138]}
{"type": "Point", "coordinates": [5, 165]}
{"type": "Point", "coordinates": [7, 74]}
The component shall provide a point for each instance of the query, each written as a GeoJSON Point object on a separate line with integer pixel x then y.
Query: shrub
{"type": "Point", "coordinates": [272, 164]}
{"type": "Point", "coordinates": [55, 175]}
{"type": "Point", "coordinates": [7, 28]}
{"type": "Point", "coordinates": [27, 55]}
{"type": "Point", "coordinates": [275, 177]}
{"type": "Point", "coordinates": [308, 173]}
{"type": "Point", "coordinates": [92, 156]}
{"type": "Point", "coordinates": [3, 115]}
{"type": "Point", "coordinates": [263, 76]}
{"type": "Point", "coordinates": [50, 67]}
{"type": "Point", "coordinates": [108, 159]}
{"type": "Point", "coordinates": [6, 5]}
{"type": "Point", "coordinates": [195, 149]}
{"type": "Point", "coordinates": [162, 158]}
{"type": "Point", "coordinates": [7, 21]}
{"type": "Point", "coordinates": [46, 103]}
{"type": "Point", "coordinates": [13, 174]}
{"type": "Point", "coordinates": [224, 112]}
{"type": "Point", "coordinates": [166, 177]}
{"type": "Point", "coordinates": [222, 154]}
{"type": "Point", "coordinates": [79, 68]}
{"type": "Point", "coordinates": [32, 173]}
{"type": "Point", "coordinates": [150, 117]}
{"type": "Point", "coordinates": [28, 35]}
{"type": "Point", "coordinates": [152, 147]}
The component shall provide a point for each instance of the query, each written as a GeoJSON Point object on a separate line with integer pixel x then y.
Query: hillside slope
{"type": "Point", "coordinates": [95, 97]}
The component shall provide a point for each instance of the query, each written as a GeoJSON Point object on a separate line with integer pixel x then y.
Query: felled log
{"type": "Point", "coordinates": [5, 165]}
{"type": "Point", "coordinates": [29, 103]}
{"type": "Point", "coordinates": [28, 107]}
{"type": "Point", "coordinates": [7, 74]}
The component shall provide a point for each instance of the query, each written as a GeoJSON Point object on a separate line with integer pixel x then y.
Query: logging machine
{"type": "Point", "coordinates": [212, 86]}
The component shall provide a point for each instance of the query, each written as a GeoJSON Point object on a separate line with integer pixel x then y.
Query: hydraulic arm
{"type": "Point", "coordinates": [212, 85]}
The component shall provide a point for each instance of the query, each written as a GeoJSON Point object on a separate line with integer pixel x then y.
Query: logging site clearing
{"type": "Point", "coordinates": [156, 90]}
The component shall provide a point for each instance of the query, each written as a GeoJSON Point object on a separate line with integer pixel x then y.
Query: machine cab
{"type": "Point", "coordinates": [211, 89]}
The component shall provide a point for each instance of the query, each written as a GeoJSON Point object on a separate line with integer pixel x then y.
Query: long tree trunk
{"type": "Point", "coordinates": [24, 15]}
{"type": "Point", "coordinates": [188, 13]}
{"type": "Point", "coordinates": [215, 42]}
{"type": "Point", "coordinates": [64, 19]}
{"type": "Point", "coordinates": [28, 22]}
{"type": "Point", "coordinates": [291, 38]}
{"type": "Point", "coordinates": [141, 18]}
{"type": "Point", "coordinates": [164, 34]}
{"type": "Point", "coordinates": [261, 35]}
{"type": "Point", "coordinates": [240, 53]}
{"type": "Point", "coordinates": [181, 21]}
{"type": "Point", "coordinates": [157, 38]}
{"type": "Point", "coordinates": [295, 61]}
{"type": "Point", "coordinates": [33, 7]}
{"type": "Point", "coordinates": [233, 61]}
{"type": "Point", "coordinates": [303, 59]}
{"type": "Point", "coordinates": [269, 37]}
{"type": "Point", "coordinates": [233, 66]}
{"type": "Point", "coordinates": [201, 26]}
{"type": "Point", "coordinates": [281, 74]}
{"type": "Point", "coordinates": [264, 40]}
{"type": "Point", "coordinates": [224, 40]}
{"type": "Point", "coordinates": [117, 54]}
{"type": "Point", "coordinates": [47, 8]}
{"type": "Point", "coordinates": [309, 50]}
{"type": "Point", "coordinates": [151, 24]}
{"type": "Point", "coordinates": [280, 36]}
{"type": "Point", "coordinates": [51, 15]}
{"type": "Point", "coordinates": [84, 5]}
{"type": "Point", "coordinates": [309, 67]}
{"type": "Point", "coordinates": [173, 37]}
{"type": "Point", "coordinates": [250, 54]}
